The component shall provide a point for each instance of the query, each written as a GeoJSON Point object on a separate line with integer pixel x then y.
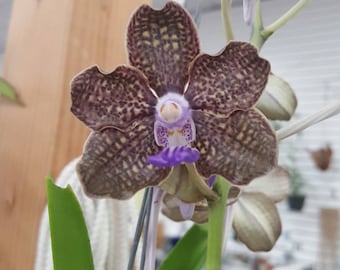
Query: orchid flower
{"type": "Point", "coordinates": [174, 117]}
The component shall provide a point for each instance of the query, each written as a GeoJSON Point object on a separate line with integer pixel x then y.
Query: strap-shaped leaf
{"type": "Point", "coordinates": [70, 241]}
{"type": "Point", "coordinates": [195, 242]}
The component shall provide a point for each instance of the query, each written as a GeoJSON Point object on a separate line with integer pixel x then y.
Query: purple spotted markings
{"type": "Point", "coordinates": [174, 130]}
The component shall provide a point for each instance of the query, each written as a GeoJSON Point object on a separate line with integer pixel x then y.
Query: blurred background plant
{"type": "Point", "coordinates": [295, 176]}
{"type": "Point", "coordinates": [297, 183]}
{"type": "Point", "coordinates": [8, 93]}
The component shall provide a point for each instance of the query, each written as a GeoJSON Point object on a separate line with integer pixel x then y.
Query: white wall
{"type": "Point", "coordinates": [306, 53]}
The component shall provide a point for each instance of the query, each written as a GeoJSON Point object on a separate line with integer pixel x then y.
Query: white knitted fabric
{"type": "Point", "coordinates": [110, 223]}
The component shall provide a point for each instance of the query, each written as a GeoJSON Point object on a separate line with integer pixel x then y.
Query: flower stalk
{"type": "Point", "coordinates": [226, 19]}
{"type": "Point", "coordinates": [325, 113]}
{"type": "Point", "coordinates": [146, 244]}
{"type": "Point", "coordinates": [138, 231]}
{"type": "Point", "coordinates": [257, 38]}
{"type": "Point", "coordinates": [151, 231]}
{"type": "Point", "coordinates": [216, 224]}
{"type": "Point", "coordinates": [270, 29]}
{"type": "Point", "coordinates": [261, 34]}
{"type": "Point", "coordinates": [228, 222]}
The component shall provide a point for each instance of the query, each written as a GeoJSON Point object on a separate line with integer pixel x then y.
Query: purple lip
{"type": "Point", "coordinates": [173, 156]}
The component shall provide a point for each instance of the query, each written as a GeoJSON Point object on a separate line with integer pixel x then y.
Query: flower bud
{"type": "Point", "coordinates": [278, 101]}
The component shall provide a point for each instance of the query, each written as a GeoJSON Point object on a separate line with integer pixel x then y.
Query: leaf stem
{"type": "Point", "coordinates": [216, 213]}
{"type": "Point", "coordinates": [226, 19]}
{"type": "Point", "coordinates": [146, 242]}
{"type": "Point", "coordinates": [139, 229]}
{"type": "Point", "coordinates": [151, 230]}
{"type": "Point", "coordinates": [270, 29]}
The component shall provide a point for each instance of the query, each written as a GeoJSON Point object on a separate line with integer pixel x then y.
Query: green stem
{"type": "Point", "coordinates": [299, 125]}
{"type": "Point", "coordinates": [284, 18]}
{"type": "Point", "coordinates": [257, 38]}
{"type": "Point", "coordinates": [226, 19]}
{"type": "Point", "coordinates": [260, 34]}
{"type": "Point", "coordinates": [216, 225]}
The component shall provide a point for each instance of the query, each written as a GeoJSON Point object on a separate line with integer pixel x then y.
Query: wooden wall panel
{"type": "Point", "coordinates": [48, 43]}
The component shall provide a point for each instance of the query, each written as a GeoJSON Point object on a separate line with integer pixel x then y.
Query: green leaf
{"type": "Point", "coordinates": [189, 252]}
{"type": "Point", "coordinates": [70, 241]}
{"type": "Point", "coordinates": [7, 90]}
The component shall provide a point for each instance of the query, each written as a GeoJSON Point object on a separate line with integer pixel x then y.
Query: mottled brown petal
{"type": "Point", "coordinates": [162, 43]}
{"type": "Point", "coordinates": [116, 99]}
{"type": "Point", "coordinates": [114, 163]}
{"type": "Point", "coordinates": [239, 148]}
{"type": "Point", "coordinates": [232, 80]}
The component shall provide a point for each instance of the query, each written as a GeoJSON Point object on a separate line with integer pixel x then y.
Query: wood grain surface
{"type": "Point", "coordinates": [48, 43]}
